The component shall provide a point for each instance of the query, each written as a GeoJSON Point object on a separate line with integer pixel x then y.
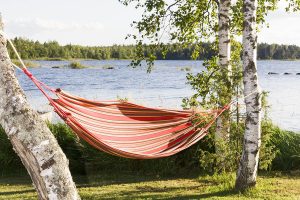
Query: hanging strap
{"type": "Point", "coordinates": [24, 68]}
{"type": "Point", "coordinates": [40, 85]}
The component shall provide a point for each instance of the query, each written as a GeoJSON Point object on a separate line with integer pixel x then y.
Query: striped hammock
{"type": "Point", "coordinates": [126, 129]}
{"type": "Point", "coordinates": [129, 130]}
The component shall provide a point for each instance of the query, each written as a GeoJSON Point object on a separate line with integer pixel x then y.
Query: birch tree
{"type": "Point", "coordinates": [191, 23]}
{"type": "Point", "coordinates": [247, 172]}
{"type": "Point", "coordinates": [31, 139]}
{"type": "Point", "coordinates": [224, 60]}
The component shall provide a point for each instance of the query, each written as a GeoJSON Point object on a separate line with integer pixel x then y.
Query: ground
{"type": "Point", "coordinates": [274, 186]}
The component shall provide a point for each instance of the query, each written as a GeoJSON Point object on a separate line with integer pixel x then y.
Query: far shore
{"type": "Point", "coordinates": [129, 59]}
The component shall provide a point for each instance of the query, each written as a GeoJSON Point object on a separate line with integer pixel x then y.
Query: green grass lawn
{"type": "Point", "coordinates": [147, 187]}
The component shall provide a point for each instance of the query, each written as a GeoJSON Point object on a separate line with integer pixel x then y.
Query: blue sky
{"type": "Point", "coordinates": [106, 22]}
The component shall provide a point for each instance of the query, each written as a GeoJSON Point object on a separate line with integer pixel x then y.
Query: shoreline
{"type": "Point", "coordinates": [129, 59]}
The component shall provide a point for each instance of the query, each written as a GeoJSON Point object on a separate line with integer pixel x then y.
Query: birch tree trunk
{"type": "Point", "coordinates": [224, 62]}
{"type": "Point", "coordinates": [31, 139]}
{"type": "Point", "coordinates": [247, 172]}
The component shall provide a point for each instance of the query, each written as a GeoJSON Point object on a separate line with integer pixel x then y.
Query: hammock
{"type": "Point", "coordinates": [126, 129]}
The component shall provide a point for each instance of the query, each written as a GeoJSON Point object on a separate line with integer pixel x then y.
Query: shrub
{"type": "Point", "coordinates": [280, 150]}
{"type": "Point", "coordinates": [212, 162]}
{"type": "Point", "coordinates": [9, 161]}
{"type": "Point", "coordinates": [71, 146]}
{"type": "Point", "coordinates": [76, 65]}
{"type": "Point", "coordinates": [288, 146]}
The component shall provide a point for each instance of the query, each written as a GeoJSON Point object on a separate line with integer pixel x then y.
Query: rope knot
{"type": "Point", "coordinates": [28, 73]}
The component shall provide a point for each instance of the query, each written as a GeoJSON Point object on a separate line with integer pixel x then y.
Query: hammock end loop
{"type": "Point", "coordinates": [28, 73]}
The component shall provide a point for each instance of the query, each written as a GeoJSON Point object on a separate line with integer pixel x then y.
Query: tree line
{"type": "Point", "coordinates": [30, 49]}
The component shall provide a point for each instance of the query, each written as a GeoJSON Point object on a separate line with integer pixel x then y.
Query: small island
{"type": "Point", "coordinates": [107, 67]}
{"type": "Point", "coordinates": [77, 65]}
{"type": "Point", "coordinates": [71, 65]}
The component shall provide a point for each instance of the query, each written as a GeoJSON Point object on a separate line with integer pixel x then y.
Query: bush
{"type": "Point", "coordinates": [71, 146]}
{"type": "Point", "coordinates": [76, 65]}
{"type": "Point", "coordinates": [10, 163]}
{"type": "Point", "coordinates": [280, 150]}
{"type": "Point", "coordinates": [288, 146]}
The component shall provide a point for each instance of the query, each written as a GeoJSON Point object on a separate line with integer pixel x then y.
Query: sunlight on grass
{"type": "Point", "coordinates": [136, 187]}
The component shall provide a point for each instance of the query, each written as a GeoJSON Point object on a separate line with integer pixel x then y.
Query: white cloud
{"type": "Point", "coordinates": [34, 26]}
{"type": "Point", "coordinates": [107, 22]}
{"type": "Point", "coordinates": [92, 22]}
{"type": "Point", "coordinates": [283, 28]}
{"type": "Point", "coordinates": [62, 31]}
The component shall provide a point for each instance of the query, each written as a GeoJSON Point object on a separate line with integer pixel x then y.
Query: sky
{"type": "Point", "coordinates": [107, 22]}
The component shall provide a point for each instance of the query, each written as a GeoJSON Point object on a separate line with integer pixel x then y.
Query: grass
{"type": "Point", "coordinates": [129, 186]}
{"type": "Point", "coordinates": [126, 179]}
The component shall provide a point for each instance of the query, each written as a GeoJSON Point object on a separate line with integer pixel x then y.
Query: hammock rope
{"type": "Point", "coordinates": [126, 129]}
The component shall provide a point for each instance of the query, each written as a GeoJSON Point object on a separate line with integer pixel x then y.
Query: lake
{"type": "Point", "coordinates": [164, 87]}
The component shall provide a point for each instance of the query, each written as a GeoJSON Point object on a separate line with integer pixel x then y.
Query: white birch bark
{"type": "Point", "coordinates": [31, 139]}
{"type": "Point", "coordinates": [224, 34]}
{"type": "Point", "coordinates": [247, 172]}
{"type": "Point", "coordinates": [224, 56]}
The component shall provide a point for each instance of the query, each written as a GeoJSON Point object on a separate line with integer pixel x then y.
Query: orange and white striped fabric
{"type": "Point", "coordinates": [125, 129]}
{"type": "Point", "coordinates": [129, 130]}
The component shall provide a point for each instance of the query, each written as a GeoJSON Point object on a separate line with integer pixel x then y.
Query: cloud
{"type": "Point", "coordinates": [283, 28]}
{"type": "Point", "coordinates": [62, 31]}
{"type": "Point", "coordinates": [39, 25]}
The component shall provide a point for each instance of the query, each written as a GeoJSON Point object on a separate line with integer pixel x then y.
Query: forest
{"type": "Point", "coordinates": [30, 49]}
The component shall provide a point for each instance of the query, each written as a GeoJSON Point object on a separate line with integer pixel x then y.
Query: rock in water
{"type": "Point", "coordinates": [272, 73]}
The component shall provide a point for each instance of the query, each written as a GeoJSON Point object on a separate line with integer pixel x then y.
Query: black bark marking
{"type": "Point", "coordinates": [48, 163]}
{"type": "Point", "coordinates": [250, 142]}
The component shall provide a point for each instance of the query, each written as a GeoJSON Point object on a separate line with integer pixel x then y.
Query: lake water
{"type": "Point", "coordinates": [164, 87]}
